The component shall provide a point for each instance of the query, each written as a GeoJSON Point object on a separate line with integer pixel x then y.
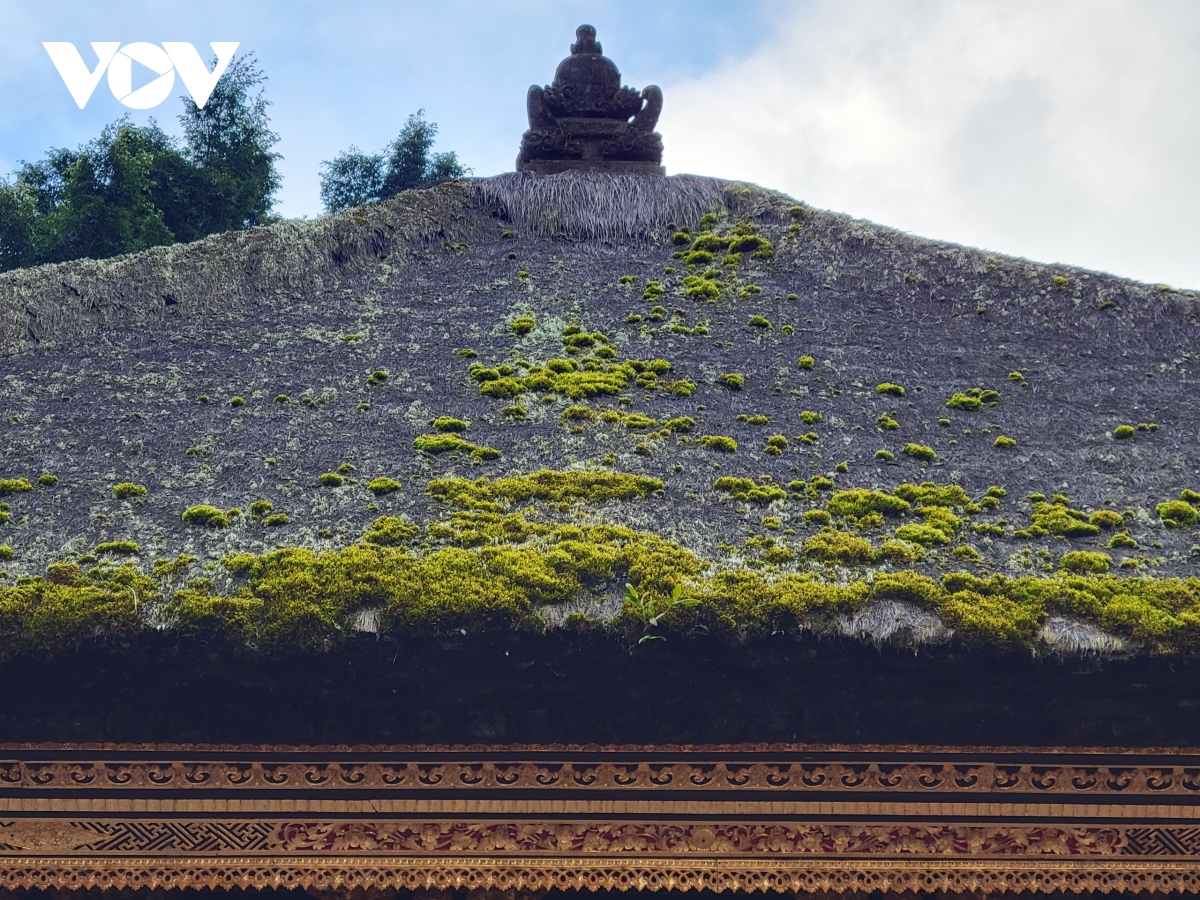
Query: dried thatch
{"type": "Point", "coordinates": [594, 205]}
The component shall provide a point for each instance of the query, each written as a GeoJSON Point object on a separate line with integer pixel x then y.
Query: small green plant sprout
{"type": "Point", "coordinates": [260, 508]}
{"type": "Point", "coordinates": [382, 485]}
{"type": "Point", "coordinates": [46, 479]}
{"type": "Point", "coordinates": [884, 455]}
{"type": "Point", "coordinates": [732, 380]}
{"type": "Point", "coordinates": [522, 325]}
{"type": "Point", "coordinates": [755, 419]}
{"type": "Point", "coordinates": [776, 444]}
{"type": "Point", "coordinates": [719, 442]}
{"type": "Point", "coordinates": [275, 520]}
{"type": "Point", "coordinates": [331, 479]}
{"type": "Point", "coordinates": [808, 417]}
{"type": "Point", "coordinates": [467, 353]}
{"type": "Point", "coordinates": [237, 401]}
{"type": "Point", "coordinates": [206, 515]}
{"type": "Point", "coordinates": [1147, 426]}
{"type": "Point", "coordinates": [522, 273]}
{"type": "Point", "coordinates": [1004, 442]}
{"type": "Point", "coordinates": [806, 362]}
{"type": "Point", "coordinates": [1060, 282]}
{"type": "Point", "coordinates": [349, 338]}
{"type": "Point", "coordinates": [379, 376]}
{"type": "Point", "coordinates": [6, 552]}
{"type": "Point", "coordinates": [919, 451]}
{"type": "Point", "coordinates": [1123, 432]}
{"type": "Point", "coordinates": [887, 423]}
{"type": "Point", "coordinates": [282, 398]}
{"type": "Point", "coordinates": [127, 489]}
{"type": "Point", "coordinates": [345, 468]}
{"type": "Point", "coordinates": [448, 423]}
{"type": "Point", "coordinates": [625, 279]}
{"type": "Point", "coordinates": [891, 390]}
{"type": "Point", "coordinates": [127, 548]}
{"type": "Point", "coordinates": [650, 610]}
{"type": "Point", "coordinates": [1015, 376]}
{"type": "Point", "coordinates": [760, 322]}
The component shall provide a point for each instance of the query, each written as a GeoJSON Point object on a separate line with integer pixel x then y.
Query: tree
{"type": "Point", "coordinates": [228, 143]}
{"type": "Point", "coordinates": [136, 187]}
{"type": "Point", "coordinates": [353, 177]}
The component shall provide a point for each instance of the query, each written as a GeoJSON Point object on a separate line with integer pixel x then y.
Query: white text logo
{"type": "Point", "coordinates": [165, 61]}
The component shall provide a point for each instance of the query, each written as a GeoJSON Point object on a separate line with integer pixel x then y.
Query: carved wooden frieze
{"type": "Point", "coordinates": [777, 818]}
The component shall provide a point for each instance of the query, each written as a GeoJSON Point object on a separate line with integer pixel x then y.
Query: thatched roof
{"type": "Point", "coordinates": [805, 422]}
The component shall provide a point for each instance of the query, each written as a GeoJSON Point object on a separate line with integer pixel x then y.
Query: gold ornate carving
{"type": "Point", "coordinates": [535, 819]}
{"type": "Point", "coordinates": [338, 873]}
{"type": "Point", "coordinates": [700, 775]}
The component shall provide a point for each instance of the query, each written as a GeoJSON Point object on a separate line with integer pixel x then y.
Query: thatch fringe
{"type": "Point", "coordinates": [223, 274]}
{"type": "Point", "coordinates": [599, 206]}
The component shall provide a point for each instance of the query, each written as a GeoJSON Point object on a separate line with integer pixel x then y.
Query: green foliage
{"type": "Point", "coordinates": [831, 545]}
{"type": "Point", "coordinates": [719, 442]}
{"type": "Point", "coordinates": [808, 417]}
{"type": "Point", "coordinates": [1106, 518]}
{"type": "Point", "coordinates": [46, 479]}
{"type": "Point", "coordinates": [859, 502]}
{"type": "Point", "coordinates": [919, 451]}
{"type": "Point", "coordinates": [237, 401]}
{"type": "Point", "coordinates": [1004, 442]}
{"type": "Point", "coordinates": [892, 390]}
{"type": "Point", "coordinates": [760, 322]}
{"type": "Point", "coordinates": [701, 288]}
{"type": "Point", "coordinates": [806, 362]}
{"type": "Point", "coordinates": [776, 444]}
{"type": "Point", "coordinates": [208, 516]}
{"type": "Point", "coordinates": [1085, 562]}
{"type": "Point", "coordinates": [884, 455]}
{"type": "Point", "coordinates": [136, 187]}
{"type": "Point", "coordinates": [275, 520]}
{"type": "Point", "coordinates": [545, 484]}
{"type": "Point", "coordinates": [1177, 513]}
{"type": "Point", "coordinates": [383, 485]}
{"type": "Point", "coordinates": [260, 508]}
{"type": "Point", "coordinates": [522, 325]}
{"type": "Point", "coordinates": [330, 479]}
{"type": "Point", "coordinates": [448, 423]}
{"type": "Point", "coordinates": [390, 531]}
{"type": "Point", "coordinates": [900, 553]}
{"type": "Point", "coordinates": [732, 380]}
{"type": "Point", "coordinates": [1123, 432]}
{"type": "Point", "coordinates": [973, 399]}
{"type": "Point", "coordinates": [750, 491]}
{"type": "Point", "coordinates": [755, 419]}
{"type": "Point", "coordinates": [353, 178]}
{"type": "Point", "coordinates": [1058, 518]}
{"type": "Point", "coordinates": [128, 548]}
{"type": "Point", "coordinates": [125, 490]}
{"type": "Point", "coordinates": [649, 610]}
{"type": "Point", "coordinates": [887, 423]}
{"type": "Point", "coordinates": [14, 486]}
{"type": "Point", "coordinates": [379, 376]}
{"type": "Point", "coordinates": [450, 442]}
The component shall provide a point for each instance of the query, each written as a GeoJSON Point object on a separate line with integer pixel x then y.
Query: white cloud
{"type": "Point", "coordinates": [1063, 131]}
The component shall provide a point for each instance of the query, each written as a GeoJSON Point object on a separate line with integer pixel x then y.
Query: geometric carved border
{"type": "Point", "coordinates": [776, 818]}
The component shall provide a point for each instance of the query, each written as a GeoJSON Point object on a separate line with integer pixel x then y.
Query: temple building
{"type": "Point", "coordinates": [587, 530]}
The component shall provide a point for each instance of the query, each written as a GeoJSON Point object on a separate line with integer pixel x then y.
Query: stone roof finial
{"type": "Point", "coordinates": [582, 120]}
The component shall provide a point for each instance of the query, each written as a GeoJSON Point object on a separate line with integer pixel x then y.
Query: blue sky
{"type": "Point", "coordinates": [1060, 130]}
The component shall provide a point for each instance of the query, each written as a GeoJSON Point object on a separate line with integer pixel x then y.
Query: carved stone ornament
{"type": "Point", "coordinates": [583, 120]}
